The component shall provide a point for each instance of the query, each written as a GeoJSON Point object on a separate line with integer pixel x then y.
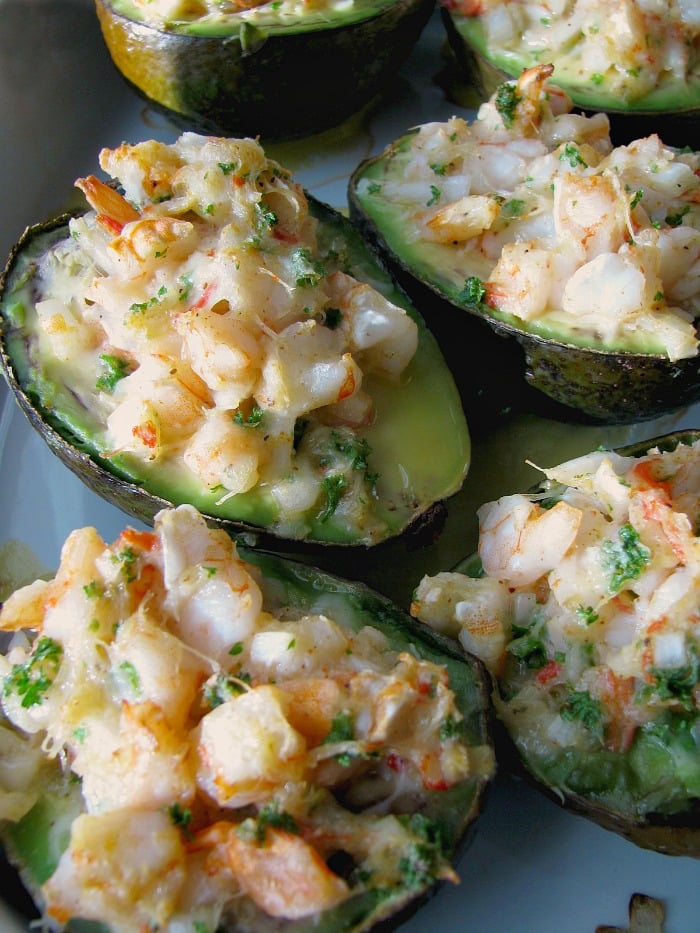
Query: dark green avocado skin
{"type": "Point", "coordinates": [500, 369]}
{"type": "Point", "coordinates": [674, 832]}
{"type": "Point", "coordinates": [281, 86]}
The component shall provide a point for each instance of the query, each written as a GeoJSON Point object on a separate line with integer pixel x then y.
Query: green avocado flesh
{"type": "Point", "coordinates": [274, 18]}
{"type": "Point", "coordinates": [573, 375]}
{"type": "Point", "coordinates": [671, 95]}
{"type": "Point", "coordinates": [650, 791]}
{"type": "Point", "coordinates": [269, 71]}
{"type": "Point", "coordinates": [415, 417]}
{"type": "Point", "coordinates": [35, 843]}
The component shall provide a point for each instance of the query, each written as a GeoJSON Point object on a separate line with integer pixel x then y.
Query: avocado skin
{"type": "Point", "coordinates": [289, 85]}
{"type": "Point", "coordinates": [676, 833]}
{"type": "Point", "coordinates": [500, 369]}
{"type": "Point", "coordinates": [677, 124]}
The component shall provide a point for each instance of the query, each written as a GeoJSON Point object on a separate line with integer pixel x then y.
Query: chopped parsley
{"type": "Point", "coordinates": [228, 167]}
{"type": "Point", "coordinates": [356, 449]}
{"type": "Point", "coordinates": [181, 817]}
{"type": "Point", "coordinates": [270, 815]}
{"type": "Point", "coordinates": [507, 100]}
{"type": "Point", "coordinates": [636, 197]}
{"type": "Point", "coordinates": [587, 614]}
{"type": "Point", "coordinates": [127, 558]}
{"type": "Point", "coordinates": [225, 687]}
{"type": "Point", "coordinates": [131, 675]}
{"type": "Point", "coordinates": [265, 217]}
{"type": "Point", "coordinates": [435, 194]}
{"type": "Point", "coordinates": [342, 728]}
{"type": "Point", "coordinates": [185, 289]}
{"type": "Point", "coordinates": [420, 863]}
{"type": "Point", "coordinates": [32, 679]}
{"type": "Point", "coordinates": [515, 207]}
{"type": "Point", "coordinates": [678, 684]}
{"type": "Point", "coordinates": [675, 220]}
{"type": "Point", "coordinates": [527, 645]}
{"type": "Point", "coordinates": [582, 707]}
{"type": "Point", "coordinates": [93, 589]}
{"type": "Point", "coordinates": [139, 307]}
{"type": "Point", "coordinates": [307, 271]}
{"type": "Point", "coordinates": [625, 559]}
{"type": "Point", "coordinates": [115, 368]}
{"type": "Point", "coordinates": [570, 153]}
{"type": "Point", "coordinates": [473, 293]}
{"type": "Point", "coordinates": [254, 418]}
{"type": "Point", "coordinates": [451, 728]}
{"type": "Point", "coordinates": [333, 486]}
{"type": "Point", "coordinates": [374, 188]}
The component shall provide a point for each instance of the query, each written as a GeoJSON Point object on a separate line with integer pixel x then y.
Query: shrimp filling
{"type": "Point", "coordinates": [529, 215]}
{"type": "Point", "coordinates": [225, 754]}
{"type": "Point", "coordinates": [169, 14]}
{"type": "Point", "coordinates": [588, 617]}
{"type": "Point", "coordinates": [629, 47]}
{"type": "Point", "coordinates": [209, 334]}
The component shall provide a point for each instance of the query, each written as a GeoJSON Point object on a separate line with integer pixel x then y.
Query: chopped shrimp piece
{"type": "Point", "coordinates": [468, 217]}
{"type": "Point", "coordinates": [213, 599]}
{"type": "Point", "coordinates": [519, 541]}
{"type": "Point", "coordinates": [154, 238]}
{"type": "Point", "coordinates": [223, 453]}
{"type": "Point", "coordinates": [124, 868]}
{"type": "Point", "coordinates": [381, 334]}
{"type": "Point", "coordinates": [283, 874]}
{"type": "Point", "coordinates": [113, 210]}
{"type": "Point", "coordinates": [592, 211]}
{"type": "Point", "coordinates": [521, 280]}
{"type": "Point", "coordinates": [246, 746]}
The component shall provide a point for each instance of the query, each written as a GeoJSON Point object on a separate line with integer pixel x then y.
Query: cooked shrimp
{"type": "Point", "coordinates": [246, 747]}
{"type": "Point", "coordinates": [519, 541]}
{"type": "Point", "coordinates": [124, 868]}
{"type": "Point", "coordinates": [285, 876]}
{"type": "Point", "coordinates": [113, 210]}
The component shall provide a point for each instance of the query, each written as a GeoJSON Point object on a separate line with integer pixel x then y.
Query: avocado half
{"type": "Point", "coordinates": [265, 71]}
{"type": "Point", "coordinates": [414, 418]}
{"type": "Point", "coordinates": [671, 109]}
{"type": "Point", "coordinates": [449, 816]}
{"type": "Point", "coordinates": [499, 366]}
{"type": "Point", "coordinates": [650, 793]}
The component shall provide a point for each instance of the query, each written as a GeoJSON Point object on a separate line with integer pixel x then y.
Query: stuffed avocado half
{"type": "Point", "coordinates": [528, 224]}
{"type": "Point", "coordinates": [278, 70]}
{"type": "Point", "coordinates": [636, 61]}
{"type": "Point", "coordinates": [583, 603]}
{"type": "Point", "coordinates": [215, 336]}
{"type": "Point", "coordinates": [201, 738]}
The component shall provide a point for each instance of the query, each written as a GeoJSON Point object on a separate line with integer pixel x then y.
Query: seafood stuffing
{"type": "Point", "coordinates": [205, 329]}
{"type": "Point", "coordinates": [234, 765]}
{"type": "Point", "coordinates": [531, 216]}
{"type": "Point", "coordinates": [587, 616]}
